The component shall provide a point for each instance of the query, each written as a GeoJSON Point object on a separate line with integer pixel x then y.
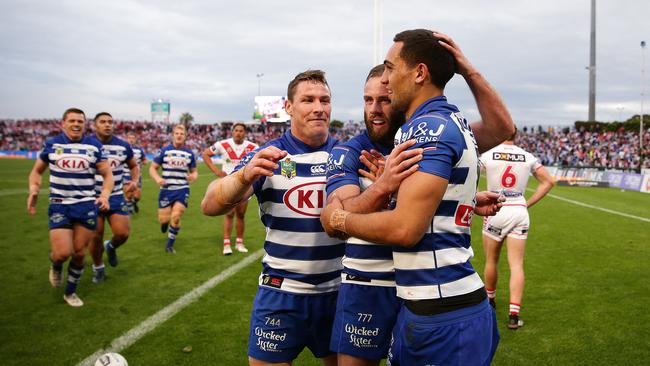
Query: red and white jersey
{"type": "Point", "coordinates": [508, 168]}
{"type": "Point", "coordinates": [231, 153]}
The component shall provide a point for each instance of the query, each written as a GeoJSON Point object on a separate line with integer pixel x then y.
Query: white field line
{"type": "Point", "coordinates": [25, 191]}
{"type": "Point", "coordinates": [137, 332]}
{"type": "Point", "coordinates": [595, 207]}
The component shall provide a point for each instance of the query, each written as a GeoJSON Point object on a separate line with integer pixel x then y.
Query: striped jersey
{"type": "Point", "coordinates": [363, 260]}
{"type": "Point", "coordinates": [438, 266]}
{"type": "Point", "coordinates": [117, 153]}
{"type": "Point", "coordinates": [231, 153]}
{"type": "Point", "coordinates": [73, 165]}
{"type": "Point", "coordinates": [138, 154]}
{"type": "Point", "coordinates": [176, 164]}
{"type": "Point", "coordinates": [508, 168]}
{"type": "Point", "coordinates": [300, 256]}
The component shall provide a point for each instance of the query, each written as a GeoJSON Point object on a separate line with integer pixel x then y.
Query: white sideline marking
{"type": "Point", "coordinates": [25, 191]}
{"type": "Point", "coordinates": [594, 207]}
{"type": "Point", "coordinates": [137, 332]}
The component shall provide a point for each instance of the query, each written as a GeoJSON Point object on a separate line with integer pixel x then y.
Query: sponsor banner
{"type": "Point", "coordinates": [10, 154]}
{"type": "Point", "coordinates": [582, 183]}
{"type": "Point", "coordinates": [645, 184]}
{"type": "Point", "coordinates": [632, 181]}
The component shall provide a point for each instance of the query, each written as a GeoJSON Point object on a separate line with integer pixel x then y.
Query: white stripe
{"type": "Point", "coordinates": [298, 239]}
{"type": "Point", "coordinates": [134, 334]}
{"type": "Point", "coordinates": [281, 210]}
{"type": "Point", "coordinates": [425, 259]}
{"type": "Point", "coordinates": [174, 174]}
{"type": "Point", "coordinates": [369, 265]}
{"type": "Point", "coordinates": [305, 267]}
{"type": "Point", "coordinates": [595, 207]}
{"type": "Point", "coordinates": [460, 287]}
{"type": "Point", "coordinates": [447, 224]}
{"type": "Point", "coordinates": [281, 182]}
{"type": "Point", "coordinates": [72, 181]}
{"type": "Point", "coordinates": [299, 287]}
{"type": "Point", "coordinates": [71, 193]}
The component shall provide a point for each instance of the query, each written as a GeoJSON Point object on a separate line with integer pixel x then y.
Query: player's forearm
{"type": "Point", "coordinates": [107, 184]}
{"type": "Point", "coordinates": [135, 173]}
{"type": "Point", "coordinates": [496, 123]}
{"type": "Point", "coordinates": [386, 227]}
{"type": "Point", "coordinates": [540, 192]}
{"type": "Point", "coordinates": [373, 199]}
{"type": "Point", "coordinates": [224, 194]}
{"type": "Point", "coordinates": [34, 182]}
{"type": "Point", "coordinates": [207, 159]}
{"type": "Point", "coordinates": [153, 173]}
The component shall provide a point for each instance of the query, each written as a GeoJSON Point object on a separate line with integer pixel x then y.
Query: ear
{"type": "Point", "coordinates": [421, 73]}
{"type": "Point", "coordinates": [288, 106]}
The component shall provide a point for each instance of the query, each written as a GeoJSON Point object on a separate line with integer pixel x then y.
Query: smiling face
{"type": "Point", "coordinates": [73, 125]}
{"type": "Point", "coordinates": [310, 111]}
{"type": "Point", "coordinates": [381, 120]}
{"type": "Point", "coordinates": [397, 79]}
{"type": "Point", "coordinates": [104, 127]}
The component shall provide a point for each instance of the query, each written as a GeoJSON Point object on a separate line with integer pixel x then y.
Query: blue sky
{"type": "Point", "coordinates": [204, 55]}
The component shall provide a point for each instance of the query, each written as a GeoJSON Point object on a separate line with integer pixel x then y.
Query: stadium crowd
{"type": "Point", "coordinates": [553, 146]}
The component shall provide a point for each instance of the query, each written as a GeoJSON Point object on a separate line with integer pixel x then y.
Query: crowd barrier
{"type": "Point", "coordinates": [591, 177]}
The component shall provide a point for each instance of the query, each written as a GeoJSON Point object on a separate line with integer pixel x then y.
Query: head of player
{"type": "Point", "coordinates": [103, 126]}
{"type": "Point", "coordinates": [417, 69]}
{"type": "Point", "coordinates": [308, 104]}
{"type": "Point", "coordinates": [73, 124]}
{"type": "Point", "coordinates": [131, 138]}
{"type": "Point", "coordinates": [238, 133]}
{"type": "Point", "coordinates": [381, 120]}
{"type": "Point", "coordinates": [179, 135]}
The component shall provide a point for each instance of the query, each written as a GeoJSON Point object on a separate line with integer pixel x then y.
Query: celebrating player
{"type": "Point", "coordinates": [133, 197]}
{"type": "Point", "coordinates": [231, 151]}
{"type": "Point", "coordinates": [178, 171]}
{"type": "Point", "coordinates": [73, 161]}
{"type": "Point", "coordinates": [443, 297]}
{"type": "Point", "coordinates": [295, 302]}
{"type": "Point", "coordinates": [120, 156]}
{"type": "Point", "coordinates": [508, 168]}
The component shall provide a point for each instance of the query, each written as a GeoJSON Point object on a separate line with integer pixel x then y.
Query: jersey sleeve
{"type": "Point", "coordinates": [441, 141]}
{"type": "Point", "coordinates": [45, 152]}
{"type": "Point", "coordinates": [129, 153]}
{"type": "Point", "coordinates": [536, 164]}
{"type": "Point", "coordinates": [342, 165]}
{"type": "Point", "coordinates": [158, 159]}
{"type": "Point", "coordinates": [192, 160]}
{"type": "Point", "coordinates": [215, 148]}
{"type": "Point", "coordinates": [101, 156]}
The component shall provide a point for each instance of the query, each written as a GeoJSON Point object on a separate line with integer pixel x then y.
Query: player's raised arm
{"type": "Point", "coordinates": [496, 123]}
{"type": "Point", "coordinates": [35, 178]}
{"type": "Point", "coordinates": [224, 194]}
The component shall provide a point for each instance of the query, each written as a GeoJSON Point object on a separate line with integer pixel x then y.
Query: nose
{"type": "Point", "coordinates": [318, 107]}
{"type": "Point", "coordinates": [384, 77]}
{"type": "Point", "coordinates": [375, 108]}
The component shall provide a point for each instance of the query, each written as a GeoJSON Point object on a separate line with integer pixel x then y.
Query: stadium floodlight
{"type": "Point", "coordinates": [259, 83]}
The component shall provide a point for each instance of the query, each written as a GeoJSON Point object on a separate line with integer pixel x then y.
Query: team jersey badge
{"type": "Point", "coordinates": [288, 168]}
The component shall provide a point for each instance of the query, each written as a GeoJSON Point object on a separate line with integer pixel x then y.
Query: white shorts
{"type": "Point", "coordinates": [511, 220]}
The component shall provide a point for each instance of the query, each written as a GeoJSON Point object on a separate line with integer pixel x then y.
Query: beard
{"type": "Point", "coordinates": [394, 121]}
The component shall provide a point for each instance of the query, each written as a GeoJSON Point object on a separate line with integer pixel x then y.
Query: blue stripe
{"type": "Point", "coordinates": [440, 276]}
{"type": "Point", "coordinates": [368, 251]}
{"type": "Point", "coordinates": [446, 208]}
{"type": "Point", "coordinates": [292, 224]}
{"type": "Point", "coordinates": [304, 253]}
{"type": "Point", "coordinates": [272, 195]}
{"type": "Point", "coordinates": [69, 187]}
{"type": "Point", "coordinates": [67, 175]}
{"type": "Point", "coordinates": [458, 175]}
{"type": "Point", "coordinates": [56, 195]}
{"type": "Point", "coordinates": [388, 276]}
{"type": "Point", "coordinates": [313, 279]}
{"type": "Point", "coordinates": [170, 170]}
{"type": "Point", "coordinates": [437, 241]}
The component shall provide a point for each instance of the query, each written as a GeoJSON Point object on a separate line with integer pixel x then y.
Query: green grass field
{"type": "Point", "coordinates": [586, 299]}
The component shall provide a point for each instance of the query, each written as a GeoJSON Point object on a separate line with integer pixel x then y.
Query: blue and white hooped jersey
{"type": "Point", "coordinates": [438, 266]}
{"type": "Point", "coordinates": [73, 165]}
{"type": "Point", "coordinates": [138, 153]}
{"type": "Point", "coordinates": [363, 260]}
{"type": "Point", "coordinates": [300, 256]}
{"type": "Point", "coordinates": [176, 164]}
{"type": "Point", "coordinates": [117, 153]}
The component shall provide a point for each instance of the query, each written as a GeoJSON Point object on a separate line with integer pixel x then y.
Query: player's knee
{"type": "Point", "coordinates": [119, 238]}
{"type": "Point", "coordinates": [60, 256]}
{"type": "Point", "coordinates": [241, 215]}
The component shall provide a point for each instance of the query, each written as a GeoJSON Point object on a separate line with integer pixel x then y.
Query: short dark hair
{"type": "Point", "coordinates": [73, 110]}
{"type": "Point", "coordinates": [375, 72]}
{"type": "Point", "coordinates": [239, 124]}
{"type": "Point", "coordinates": [421, 46]}
{"type": "Point", "coordinates": [309, 75]}
{"type": "Point", "coordinates": [101, 114]}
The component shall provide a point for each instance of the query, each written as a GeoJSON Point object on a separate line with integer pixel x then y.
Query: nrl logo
{"type": "Point", "coordinates": [288, 168]}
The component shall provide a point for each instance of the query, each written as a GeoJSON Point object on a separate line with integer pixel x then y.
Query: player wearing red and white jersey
{"type": "Point", "coordinates": [231, 151]}
{"type": "Point", "coordinates": [508, 168]}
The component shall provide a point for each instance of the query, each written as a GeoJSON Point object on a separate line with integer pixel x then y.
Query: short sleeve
{"type": "Point", "coordinates": [45, 152]}
{"type": "Point", "coordinates": [441, 141]}
{"type": "Point", "coordinates": [214, 148]}
{"type": "Point", "coordinates": [342, 165]}
{"type": "Point", "coordinates": [158, 159]}
{"type": "Point", "coordinates": [129, 153]}
{"type": "Point", "coordinates": [192, 160]}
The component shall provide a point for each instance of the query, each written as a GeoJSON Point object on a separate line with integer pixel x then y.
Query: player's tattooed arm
{"type": "Point", "coordinates": [496, 123]}
{"type": "Point", "coordinates": [35, 178]}
{"type": "Point", "coordinates": [224, 194]}
{"type": "Point", "coordinates": [107, 185]}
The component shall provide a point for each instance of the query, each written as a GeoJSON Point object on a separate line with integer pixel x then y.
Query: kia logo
{"type": "Point", "coordinates": [73, 164]}
{"type": "Point", "coordinates": [177, 162]}
{"type": "Point", "coordinates": [306, 199]}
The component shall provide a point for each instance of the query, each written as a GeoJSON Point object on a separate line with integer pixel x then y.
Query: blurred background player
{"type": "Point", "coordinates": [508, 168]}
{"type": "Point", "coordinates": [178, 171]}
{"type": "Point", "coordinates": [73, 161]}
{"type": "Point", "coordinates": [119, 157]}
{"type": "Point", "coordinates": [133, 197]}
{"type": "Point", "coordinates": [231, 151]}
